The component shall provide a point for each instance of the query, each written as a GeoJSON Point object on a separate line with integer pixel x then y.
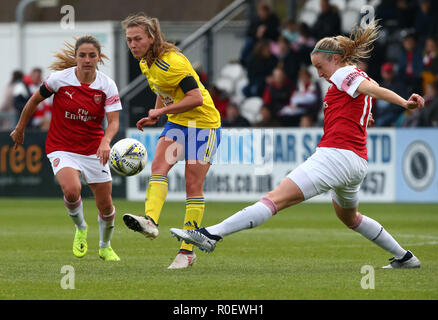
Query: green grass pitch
{"type": "Point", "coordinates": [304, 252]}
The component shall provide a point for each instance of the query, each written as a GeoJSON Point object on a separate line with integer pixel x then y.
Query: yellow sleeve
{"type": "Point", "coordinates": [180, 68]}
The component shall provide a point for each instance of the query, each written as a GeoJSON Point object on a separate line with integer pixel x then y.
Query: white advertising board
{"type": "Point", "coordinates": [250, 162]}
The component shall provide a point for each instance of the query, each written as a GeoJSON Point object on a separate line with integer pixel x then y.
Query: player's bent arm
{"type": "Point", "coordinates": [17, 134]}
{"type": "Point", "coordinates": [192, 99]}
{"type": "Point", "coordinates": [374, 90]}
{"type": "Point", "coordinates": [147, 121]}
{"type": "Point", "coordinates": [159, 103]}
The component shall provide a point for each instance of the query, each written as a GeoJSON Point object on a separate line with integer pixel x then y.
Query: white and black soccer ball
{"type": "Point", "coordinates": [128, 157]}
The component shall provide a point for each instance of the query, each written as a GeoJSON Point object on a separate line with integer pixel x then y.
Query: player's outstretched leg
{"type": "Point", "coordinates": [408, 261]}
{"type": "Point", "coordinates": [145, 226]}
{"type": "Point", "coordinates": [249, 217]}
{"type": "Point", "coordinates": [200, 238]}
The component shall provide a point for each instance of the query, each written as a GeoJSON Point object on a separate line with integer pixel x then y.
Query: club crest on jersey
{"type": "Point", "coordinates": [97, 98]}
{"type": "Point", "coordinates": [56, 162]}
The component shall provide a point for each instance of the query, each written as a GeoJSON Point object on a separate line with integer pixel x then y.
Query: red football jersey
{"type": "Point", "coordinates": [78, 111]}
{"type": "Point", "coordinates": [346, 112]}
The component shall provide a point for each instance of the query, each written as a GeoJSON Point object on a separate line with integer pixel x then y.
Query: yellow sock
{"type": "Point", "coordinates": [155, 196]}
{"type": "Point", "coordinates": [192, 220]}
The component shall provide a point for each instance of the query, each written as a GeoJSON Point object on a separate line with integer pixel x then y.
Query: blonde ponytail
{"type": "Point", "coordinates": [352, 49]}
{"type": "Point", "coordinates": [66, 58]}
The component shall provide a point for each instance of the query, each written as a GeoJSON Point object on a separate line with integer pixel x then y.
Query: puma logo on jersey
{"type": "Point", "coordinates": [69, 94]}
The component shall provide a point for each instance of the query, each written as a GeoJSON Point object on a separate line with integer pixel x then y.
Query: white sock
{"type": "Point", "coordinates": [249, 217]}
{"type": "Point", "coordinates": [76, 212]}
{"type": "Point", "coordinates": [372, 230]}
{"type": "Point", "coordinates": [106, 228]}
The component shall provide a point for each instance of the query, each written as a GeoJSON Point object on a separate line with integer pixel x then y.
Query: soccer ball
{"type": "Point", "coordinates": [128, 157]}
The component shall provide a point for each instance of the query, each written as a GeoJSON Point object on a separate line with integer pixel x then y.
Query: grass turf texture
{"type": "Point", "coordinates": [303, 253]}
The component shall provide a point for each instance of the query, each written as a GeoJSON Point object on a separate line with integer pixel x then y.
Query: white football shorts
{"type": "Point", "coordinates": [339, 171]}
{"type": "Point", "coordinates": [90, 167]}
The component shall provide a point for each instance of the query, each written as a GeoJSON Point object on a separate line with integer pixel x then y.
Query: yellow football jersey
{"type": "Point", "coordinates": [164, 77]}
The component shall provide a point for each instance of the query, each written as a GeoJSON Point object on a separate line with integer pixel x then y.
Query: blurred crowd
{"type": "Point", "coordinates": [273, 84]}
{"type": "Point", "coordinates": [281, 88]}
{"type": "Point", "coordinates": [18, 91]}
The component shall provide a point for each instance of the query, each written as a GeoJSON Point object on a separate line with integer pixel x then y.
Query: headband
{"type": "Point", "coordinates": [327, 51]}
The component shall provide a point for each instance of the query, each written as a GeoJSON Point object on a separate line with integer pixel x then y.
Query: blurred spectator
{"type": "Point", "coordinates": [266, 119]}
{"type": "Point", "coordinates": [21, 93]}
{"type": "Point", "coordinates": [378, 56]}
{"type": "Point", "coordinates": [289, 30]}
{"type": "Point", "coordinates": [304, 44]}
{"type": "Point", "coordinates": [293, 48]}
{"type": "Point", "coordinates": [288, 58]}
{"type": "Point", "coordinates": [424, 21]}
{"type": "Point", "coordinates": [220, 100]}
{"type": "Point", "coordinates": [305, 102]}
{"type": "Point", "coordinates": [387, 114]}
{"type": "Point", "coordinates": [409, 119]}
{"type": "Point", "coordinates": [34, 79]}
{"type": "Point", "coordinates": [430, 57]}
{"type": "Point", "coordinates": [281, 47]}
{"type": "Point", "coordinates": [429, 114]}
{"type": "Point", "coordinates": [42, 115]}
{"type": "Point", "coordinates": [328, 22]}
{"type": "Point", "coordinates": [260, 65]}
{"type": "Point", "coordinates": [410, 63]}
{"type": "Point", "coordinates": [7, 106]}
{"type": "Point", "coordinates": [277, 93]}
{"type": "Point", "coordinates": [406, 10]}
{"type": "Point", "coordinates": [234, 118]}
{"type": "Point", "coordinates": [386, 14]}
{"type": "Point", "coordinates": [265, 25]}
{"type": "Point", "coordinates": [430, 62]}
{"type": "Point", "coordinates": [430, 93]}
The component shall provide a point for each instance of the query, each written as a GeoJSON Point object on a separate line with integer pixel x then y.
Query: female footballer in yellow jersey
{"type": "Point", "coordinates": [193, 128]}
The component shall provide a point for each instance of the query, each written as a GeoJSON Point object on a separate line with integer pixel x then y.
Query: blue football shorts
{"type": "Point", "coordinates": [198, 144]}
